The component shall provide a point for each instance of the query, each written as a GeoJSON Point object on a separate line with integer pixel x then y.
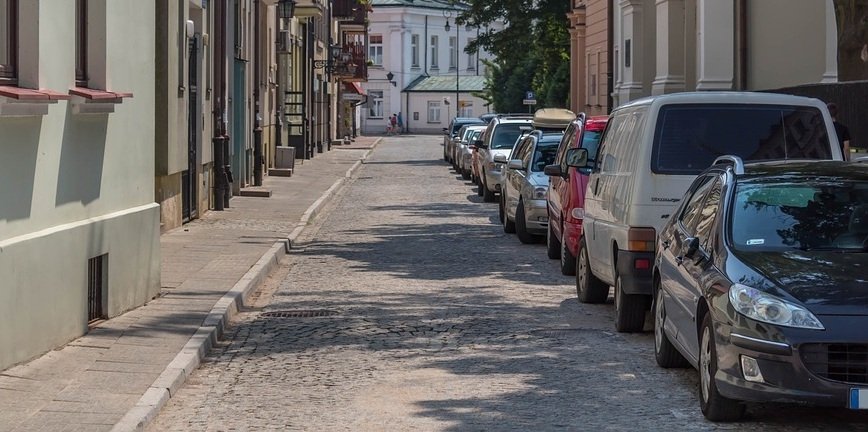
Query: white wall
{"type": "Point", "coordinates": [76, 186]}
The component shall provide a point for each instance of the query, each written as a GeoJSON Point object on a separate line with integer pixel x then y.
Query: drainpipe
{"type": "Point", "coordinates": [610, 56]}
{"type": "Point", "coordinates": [220, 180]}
{"type": "Point", "coordinates": [741, 44]}
{"type": "Point", "coordinates": [426, 45]}
{"type": "Point", "coordinates": [257, 122]}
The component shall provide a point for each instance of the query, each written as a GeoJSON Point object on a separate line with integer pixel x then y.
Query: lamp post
{"type": "Point", "coordinates": [448, 14]}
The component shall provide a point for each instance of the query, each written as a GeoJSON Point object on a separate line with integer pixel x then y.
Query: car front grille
{"type": "Point", "coordinates": [837, 362]}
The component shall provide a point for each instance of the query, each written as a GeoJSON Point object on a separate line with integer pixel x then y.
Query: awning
{"type": "Point", "coordinates": [353, 87]}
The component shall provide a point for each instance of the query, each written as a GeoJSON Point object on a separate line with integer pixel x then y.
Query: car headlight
{"type": "Point", "coordinates": [540, 193]}
{"type": "Point", "coordinates": [767, 308]}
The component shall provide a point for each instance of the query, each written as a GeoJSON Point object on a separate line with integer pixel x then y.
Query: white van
{"type": "Point", "coordinates": [651, 151]}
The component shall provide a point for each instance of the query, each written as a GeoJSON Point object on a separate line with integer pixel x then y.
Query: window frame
{"type": "Point", "coordinates": [375, 50]}
{"type": "Point", "coordinates": [435, 52]}
{"type": "Point", "coordinates": [471, 56]}
{"type": "Point", "coordinates": [414, 50]}
{"type": "Point", "coordinates": [453, 52]}
{"type": "Point", "coordinates": [81, 75]}
{"type": "Point", "coordinates": [9, 71]}
{"type": "Point", "coordinates": [376, 102]}
{"type": "Point", "coordinates": [431, 105]}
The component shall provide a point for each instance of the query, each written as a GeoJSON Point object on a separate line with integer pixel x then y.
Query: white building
{"type": "Point", "coordinates": [666, 46]}
{"type": "Point", "coordinates": [79, 229]}
{"type": "Point", "coordinates": [408, 41]}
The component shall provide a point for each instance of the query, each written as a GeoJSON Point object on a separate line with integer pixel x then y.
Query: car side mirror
{"type": "Point", "coordinates": [516, 164]}
{"type": "Point", "coordinates": [691, 247]}
{"type": "Point", "coordinates": [577, 158]}
{"type": "Point", "coordinates": [500, 158]}
{"type": "Point", "coordinates": [479, 144]}
{"type": "Point", "coordinates": [552, 170]}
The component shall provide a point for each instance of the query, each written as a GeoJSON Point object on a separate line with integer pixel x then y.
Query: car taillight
{"type": "Point", "coordinates": [641, 239]}
{"type": "Point", "coordinates": [642, 264]}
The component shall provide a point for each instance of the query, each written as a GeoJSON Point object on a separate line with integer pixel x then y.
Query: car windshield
{"type": "Point", "coordinates": [456, 126]}
{"type": "Point", "coordinates": [690, 137]}
{"type": "Point", "coordinates": [591, 142]}
{"type": "Point", "coordinates": [505, 135]}
{"type": "Point", "coordinates": [800, 215]}
{"type": "Point", "coordinates": [544, 154]}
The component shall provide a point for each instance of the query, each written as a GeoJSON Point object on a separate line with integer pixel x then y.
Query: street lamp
{"type": "Point", "coordinates": [286, 9]}
{"type": "Point", "coordinates": [448, 14]}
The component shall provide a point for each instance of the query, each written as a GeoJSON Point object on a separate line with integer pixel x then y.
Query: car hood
{"type": "Point", "coordinates": [826, 282]}
{"type": "Point", "coordinates": [495, 152]}
{"type": "Point", "coordinates": [538, 179]}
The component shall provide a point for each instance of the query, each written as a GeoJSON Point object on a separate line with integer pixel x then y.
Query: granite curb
{"type": "Point", "coordinates": [185, 362]}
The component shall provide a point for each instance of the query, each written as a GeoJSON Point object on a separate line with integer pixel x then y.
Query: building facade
{"type": "Point", "coordinates": [79, 228]}
{"type": "Point", "coordinates": [409, 40]}
{"type": "Point", "coordinates": [666, 46]}
{"type": "Point", "coordinates": [590, 59]}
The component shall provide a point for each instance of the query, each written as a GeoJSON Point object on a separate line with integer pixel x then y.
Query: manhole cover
{"type": "Point", "coordinates": [300, 314]}
{"type": "Point", "coordinates": [563, 333]}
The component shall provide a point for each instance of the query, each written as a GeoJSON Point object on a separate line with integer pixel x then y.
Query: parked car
{"type": "Point", "coordinates": [566, 191]}
{"type": "Point", "coordinates": [760, 282]}
{"type": "Point", "coordinates": [461, 139]}
{"type": "Point", "coordinates": [466, 148]}
{"type": "Point", "coordinates": [450, 133]}
{"type": "Point", "coordinates": [498, 139]}
{"type": "Point", "coordinates": [525, 186]}
{"type": "Point", "coordinates": [651, 151]}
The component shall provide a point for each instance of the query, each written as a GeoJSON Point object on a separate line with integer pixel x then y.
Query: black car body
{"type": "Point", "coordinates": [761, 282]}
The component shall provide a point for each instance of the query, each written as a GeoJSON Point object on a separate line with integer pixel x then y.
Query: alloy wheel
{"type": "Point", "coordinates": [705, 365]}
{"type": "Point", "coordinates": [659, 317]}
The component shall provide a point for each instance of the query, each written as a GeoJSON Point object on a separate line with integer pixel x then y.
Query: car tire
{"type": "Point", "coordinates": [589, 289]}
{"type": "Point", "coordinates": [665, 353]}
{"type": "Point", "coordinates": [521, 225]}
{"type": "Point", "coordinates": [501, 207]}
{"type": "Point", "coordinates": [714, 406]}
{"type": "Point", "coordinates": [508, 225]}
{"type": "Point", "coordinates": [553, 246]}
{"type": "Point", "coordinates": [568, 261]}
{"type": "Point", "coordinates": [465, 174]}
{"type": "Point", "coordinates": [629, 309]}
{"type": "Point", "coordinates": [487, 195]}
{"type": "Point", "coordinates": [479, 187]}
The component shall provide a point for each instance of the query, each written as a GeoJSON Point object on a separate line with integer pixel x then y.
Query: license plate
{"type": "Point", "coordinates": [858, 398]}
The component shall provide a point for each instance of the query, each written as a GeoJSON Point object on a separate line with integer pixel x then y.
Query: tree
{"type": "Point", "coordinates": [852, 18]}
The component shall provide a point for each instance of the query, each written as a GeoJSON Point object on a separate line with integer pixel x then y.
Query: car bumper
{"type": "Point", "coordinates": [786, 376]}
{"type": "Point", "coordinates": [492, 180]}
{"type": "Point", "coordinates": [466, 160]}
{"type": "Point", "coordinates": [536, 216]}
{"type": "Point", "coordinates": [635, 276]}
{"type": "Point", "coordinates": [571, 234]}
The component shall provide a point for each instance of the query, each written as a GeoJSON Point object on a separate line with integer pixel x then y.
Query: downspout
{"type": "Point", "coordinates": [426, 45]}
{"type": "Point", "coordinates": [257, 116]}
{"type": "Point", "coordinates": [610, 56]}
{"type": "Point", "coordinates": [741, 44]}
{"type": "Point", "coordinates": [219, 131]}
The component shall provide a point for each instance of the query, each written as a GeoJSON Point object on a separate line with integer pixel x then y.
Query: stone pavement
{"type": "Point", "coordinates": [121, 373]}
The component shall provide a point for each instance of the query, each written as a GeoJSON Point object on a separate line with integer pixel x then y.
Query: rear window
{"type": "Point", "coordinates": [544, 154]}
{"type": "Point", "coordinates": [506, 134]}
{"type": "Point", "coordinates": [689, 137]}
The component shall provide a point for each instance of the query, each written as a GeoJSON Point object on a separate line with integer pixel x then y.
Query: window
{"type": "Point", "coordinates": [433, 112]}
{"type": "Point", "coordinates": [8, 41]}
{"type": "Point", "coordinates": [414, 50]}
{"type": "Point", "coordinates": [708, 214]}
{"type": "Point", "coordinates": [689, 137]}
{"type": "Point", "coordinates": [465, 109]}
{"type": "Point", "coordinates": [453, 52]}
{"type": "Point", "coordinates": [81, 43]}
{"type": "Point", "coordinates": [434, 52]}
{"type": "Point", "coordinates": [375, 49]}
{"type": "Point", "coordinates": [471, 57]}
{"type": "Point", "coordinates": [376, 110]}
{"type": "Point", "coordinates": [544, 154]}
{"type": "Point", "coordinates": [690, 214]}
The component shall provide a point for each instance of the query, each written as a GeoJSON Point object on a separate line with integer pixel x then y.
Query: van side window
{"type": "Point", "coordinates": [613, 134]}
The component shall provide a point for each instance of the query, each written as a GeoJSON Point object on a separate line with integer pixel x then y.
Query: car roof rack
{"type": "Point", "coordinates": [737, 163]}
{"type": "Point", "coordinates": [516, 115]}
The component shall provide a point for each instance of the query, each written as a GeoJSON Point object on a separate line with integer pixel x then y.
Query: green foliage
{"type": "Point", "coordinates": [532, 51]}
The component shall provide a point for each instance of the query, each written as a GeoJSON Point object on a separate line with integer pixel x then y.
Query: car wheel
{"type": "Point", "coordinates": [568, 261]}
{"type": "Point", "coordinates": [715, 407]}
{"type": "Point", "coordinates": [508, 225]}
{"type": "Point", "coordinates": [665, 353]}
{"type": "Point", "coordinates": [589, 289]}
{"type": "Point", "coordinates": [553, 246]}
{"type": "Point", "coordinates": [521, 225]}
{"type": "Point", "coordinates": [629, 309]}
{"type": "Point", "coordinates": [479, 186]}
{"type": "Point", "coordinates": [501, 207]}
{"type": "Point", "coordinates": [487, 195]}
{"type": "Point", "coordinates": [465, 174]}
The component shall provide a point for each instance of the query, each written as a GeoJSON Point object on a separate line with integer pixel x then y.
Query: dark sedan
{"type": "Point", "coordinates": [761, 283]}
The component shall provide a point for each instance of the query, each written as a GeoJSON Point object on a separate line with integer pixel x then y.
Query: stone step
{"type": "Point", "coordinates": [256, 191]}
{"type": "Point", "coordinates": [280, 172]}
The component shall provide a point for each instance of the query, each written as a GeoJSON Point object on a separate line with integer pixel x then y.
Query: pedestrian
{"type": "Point", "coordinates": [842, 131]}
{"type": "Point", "coordinates": [389, 126]}
{"type": "Point", "coordinates": [393, 121]}
{"type": "Point", "coordinates": [400, 123]}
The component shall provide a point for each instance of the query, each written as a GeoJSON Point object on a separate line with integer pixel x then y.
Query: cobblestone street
{"type": "Point", "coordinates": [434, 319]}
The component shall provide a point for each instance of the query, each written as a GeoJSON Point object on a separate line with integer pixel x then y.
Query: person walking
{"type": "Point", "coordinates": [842, 131]}
{"type": "Point", "coordinates": [394, 122]}
{"type": "Point", "coordinates": [400, 123]}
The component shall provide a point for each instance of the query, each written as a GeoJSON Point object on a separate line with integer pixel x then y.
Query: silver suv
{"type": "Point", "coordinates": [497, 142]}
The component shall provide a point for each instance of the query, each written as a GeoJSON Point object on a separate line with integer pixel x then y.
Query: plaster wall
{"type": "Point", "coordinates": [76, 186]}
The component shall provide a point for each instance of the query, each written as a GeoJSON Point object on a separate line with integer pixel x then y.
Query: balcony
{"type": "Point", "coordinates": [352, 66]}
{"type": "Point", "coordinates": [310, 8]}
{"type": "Point", "coordinates": [350, 15]}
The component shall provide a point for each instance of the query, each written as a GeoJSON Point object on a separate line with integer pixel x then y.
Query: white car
{"type": "Point", "coordinates": [498, 139]}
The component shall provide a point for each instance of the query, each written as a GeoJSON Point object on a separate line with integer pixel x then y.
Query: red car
{"type": "Point", "coordinates": [566, 194]}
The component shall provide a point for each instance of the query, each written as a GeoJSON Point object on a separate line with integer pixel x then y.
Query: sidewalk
{"type": "Point", "coordinates": [119, 375]}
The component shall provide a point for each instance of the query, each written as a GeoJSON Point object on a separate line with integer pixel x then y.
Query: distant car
{"type": "Point", "coordinates": [525, 186]}
{"type": "Point", "coordinates": [499, 138]}
{"type": "Point", "coordinates": [487, 117]}
{"type": "Point", "coordinates": [760, 281]}
{"type": "Point", "coordinates": [451, 132]}
{"type": "Point", "coordinates": [464, 153]}
{"type": "Point", "coordinates": [566, 191]}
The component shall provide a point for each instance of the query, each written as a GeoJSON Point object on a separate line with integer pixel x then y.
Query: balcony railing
{"type": "Point", "coordinates": [349, 11]}
{"type": "Point", "coordinates": [353, 63]}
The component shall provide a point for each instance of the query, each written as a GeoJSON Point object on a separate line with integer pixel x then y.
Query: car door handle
{"type": "Point", "coordinates": [679, 260]}
{"type": "Point", "coordinates": [596, 185]}
{"type": "Point", "coordinates": [665, 244]}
